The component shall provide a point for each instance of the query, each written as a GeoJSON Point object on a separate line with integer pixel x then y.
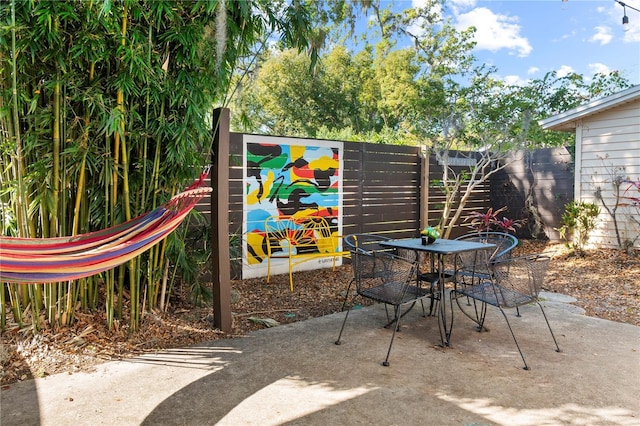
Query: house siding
{"type": "Point", "coordinates": [608, 145]}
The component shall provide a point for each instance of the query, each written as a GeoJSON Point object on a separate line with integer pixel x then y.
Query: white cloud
{"type": "Point", "coordinates": [632, 35]}
{"type": "Point", "coordinates": [603, 35]}
{"type": "Point", "coordinates": [514, 80]}
{"type": "Point", "coordinates": [461, 3]}
{"type": "Point", "coordinates": [495, 31]}
{"type": "Point", "coordinates": [564, 70]}
{"type": "Point", "coordinates": [599, 68]}
{"type": "Point", "coordinates": [533, 70]}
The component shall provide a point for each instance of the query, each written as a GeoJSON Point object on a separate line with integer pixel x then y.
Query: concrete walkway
{"type": "Point", "coordinates": [296, 375]}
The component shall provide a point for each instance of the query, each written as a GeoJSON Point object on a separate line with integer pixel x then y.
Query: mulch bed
{"type": "Point", "coordinates": [605, 282]}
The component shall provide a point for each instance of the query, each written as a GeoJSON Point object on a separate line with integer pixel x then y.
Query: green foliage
{"type": "Point", "coordinates": [110, 118]}
{"type": "Point", "coordinates": [431, 232]}
{"type": "Point", "coordinates": [191, 255]}
{"type": "Point", "coordinates": [414, 75]}
{"type": "Point", "coordinates": [578, 221]}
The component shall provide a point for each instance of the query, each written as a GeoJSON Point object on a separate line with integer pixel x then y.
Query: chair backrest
{"type": "Point", "coordinates": [371, 243]}
{"type": "Point", "coordinates": [386, 277]}
{"type": "Point", "coordinates": [365, 242]}
{"type": "Point", "coordinates": [519, 279]}
{"type": "Point", "coordinates": [362, 247]}
{"type": "Point", "coordinates": [504, 243]}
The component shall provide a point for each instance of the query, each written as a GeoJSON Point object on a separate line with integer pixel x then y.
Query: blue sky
{"type": "Point", "coordinates": [526, 39]}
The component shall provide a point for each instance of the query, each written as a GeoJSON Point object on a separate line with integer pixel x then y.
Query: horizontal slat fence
{"type": "Point", "coordinates": [478, 201]}
{"type": "Point", "coordinates": [382, 187]}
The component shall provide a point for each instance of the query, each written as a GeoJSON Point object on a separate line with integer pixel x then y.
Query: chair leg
{"type": "Point", "coordinates": [393, 335]}
{"type": "Point", "coordinates": [346, 296]}
{"type": "Point", "coordinates": [268, 269]}
{"type": "Point", "coordinates": [526, 367]}
{"type": "Point", "coordinates": [549, 325]}
{"type": "Point", "coordinates": [338, 342]}
{"type": "Point", "coordinates": [479, 312]}
{"type": "Point", "coordinates": [434, 299]}
{"type": "Point", "coordinates": [433, 305]}
{"type": "Point", "coordinates": [398, 313]}
{"type": "Point", "coordinates": [482, 315]}
{"type": "Point", "coordinates": [389, 319]}
{"type": "Point", "coordinates": [290, 275]}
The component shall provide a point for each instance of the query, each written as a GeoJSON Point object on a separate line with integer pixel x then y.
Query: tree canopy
{"type": "Point", "coordinates": [412, 78]}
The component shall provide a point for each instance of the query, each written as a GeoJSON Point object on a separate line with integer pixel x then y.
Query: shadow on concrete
{"type": "Point", "coordinates": [29, 396]}
{"type": "Point", "coordinates": [295, 374]}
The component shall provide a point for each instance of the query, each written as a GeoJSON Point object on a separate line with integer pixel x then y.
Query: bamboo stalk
{"type": "Point", "coordinates": [3, 311]}
{"type": "Point", "coordinates": [134, 285]}
{"type": "Point", "coordinates": [14, 298]}
{"type": "Point", "coordinates": [83, 165]}
{"type": "Point", "coordinates": [109, 295]}
{"type": "Point", "coordinates": [35, 311]}
{"type": "Point", "coordinates": [21, 195]}
{"type": "Point", "coordinates": [55, 178]}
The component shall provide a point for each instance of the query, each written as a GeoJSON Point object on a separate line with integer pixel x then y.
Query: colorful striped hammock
{"type": "Point", "coordinates": [48, 260]}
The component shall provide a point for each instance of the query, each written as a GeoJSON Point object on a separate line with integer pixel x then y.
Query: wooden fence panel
{"type": "Point", "coordinates": [535, 187]}
{"type": "Point", "coordinates": [382, 187]}
{"type": "Point", "coordinates": [478, 201]}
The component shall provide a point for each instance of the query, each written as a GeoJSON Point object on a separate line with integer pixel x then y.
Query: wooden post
{"type": "Point", "coordinates": [220, 263]}
{"type": "Point", "coordinates": [424, 188]}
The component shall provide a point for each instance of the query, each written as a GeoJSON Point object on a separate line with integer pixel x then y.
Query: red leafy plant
{"type": "Point", "coordinates": [491, 221]}
{"type": "Point", "coordinates": [628, 194]}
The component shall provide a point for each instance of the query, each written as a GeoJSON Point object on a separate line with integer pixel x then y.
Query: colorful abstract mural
{"type": "Point", "coordinates": [287, 177]}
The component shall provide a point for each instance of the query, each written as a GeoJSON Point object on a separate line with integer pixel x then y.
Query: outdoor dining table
{"type": "Point", "coordinates": [438, 252]}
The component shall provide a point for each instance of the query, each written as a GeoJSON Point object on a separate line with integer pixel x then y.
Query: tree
{"type": "Point", "coordinates": [380, 90]}
{"type": "Point", "coordinates": [99, 101]}
{"type": "Point", "coordinates": [431, 93]}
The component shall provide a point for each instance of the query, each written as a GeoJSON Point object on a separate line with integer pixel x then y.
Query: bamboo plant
{"type": "Point", "coordinates": [104, 115]}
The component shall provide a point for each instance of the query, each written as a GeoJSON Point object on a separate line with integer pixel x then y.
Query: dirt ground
{"type": "Point", "coordinates": [605, 282]}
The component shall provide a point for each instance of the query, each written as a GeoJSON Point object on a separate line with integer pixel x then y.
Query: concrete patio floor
{"type": "Point", "coordinates": [295, 375]}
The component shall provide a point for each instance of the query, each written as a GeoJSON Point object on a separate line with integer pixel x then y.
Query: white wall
{"type": "Point", "coordinates": [608, 145]}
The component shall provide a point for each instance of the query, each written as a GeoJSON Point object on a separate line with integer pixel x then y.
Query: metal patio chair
{"type": "Point", "coordinates": [370, 243]}
{"type": "Point", "coordinates": [512, 283]}
{"type": "Point", "coordinates": [478, 264]}
{"type": "Point", "coordinates": [362, 243]}
{"type": "Point", "coordinates": [425, 275]}
{"type": "Point", "coordinates": [386, 278]}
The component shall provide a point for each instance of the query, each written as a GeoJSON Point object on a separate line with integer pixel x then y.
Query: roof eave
{"type": "Point", "coordinates": [567, 121]}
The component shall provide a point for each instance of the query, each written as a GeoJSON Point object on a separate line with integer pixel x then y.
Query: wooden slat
{"type": "Point", "coordinates": [381, 187]}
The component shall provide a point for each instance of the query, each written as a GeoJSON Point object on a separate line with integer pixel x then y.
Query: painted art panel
{"type": "Point", "coordinates": [288, 177]}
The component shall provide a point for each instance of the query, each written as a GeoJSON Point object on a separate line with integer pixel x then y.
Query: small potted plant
{"type": "Point", "coordinates": [429, 235]}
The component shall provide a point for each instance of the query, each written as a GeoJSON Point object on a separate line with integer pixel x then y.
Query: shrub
{"type": "Point", "coordinates": [578, 221]}
{"type": "Point", "coordinates": [490, 221]}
